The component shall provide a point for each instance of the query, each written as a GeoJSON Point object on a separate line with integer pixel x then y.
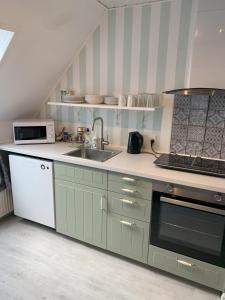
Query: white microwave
{"type": "Point", "coordinates": [34, 131]}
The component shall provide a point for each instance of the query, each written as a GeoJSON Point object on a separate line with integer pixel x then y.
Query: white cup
{"type": "Point", "coordinates": [122, 101]}
{"type": "Point", "coordinates": [141, 100]}
{"type": "Point", "coordinates": [132, 100]}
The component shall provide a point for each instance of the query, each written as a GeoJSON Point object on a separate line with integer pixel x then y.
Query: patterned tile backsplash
{"type": "Point", "coordinates": [199, 126]}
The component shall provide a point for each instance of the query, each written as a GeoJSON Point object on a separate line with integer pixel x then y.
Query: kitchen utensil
{"type": "Point", "coordinates": [80, 134]}
{"type": "Point", "coordinates": [122, 100]}
{"type": "Point", "coordinates": [135, 142]}
{"type": "Point", "coordinates": [94, 99]}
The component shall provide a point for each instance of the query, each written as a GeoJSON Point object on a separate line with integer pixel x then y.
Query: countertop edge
{"type": "Point", "coordinates": [110, 166]}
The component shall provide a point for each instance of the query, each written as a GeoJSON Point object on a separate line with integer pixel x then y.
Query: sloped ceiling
{"type": "Point", "coordinates": [47, 34]}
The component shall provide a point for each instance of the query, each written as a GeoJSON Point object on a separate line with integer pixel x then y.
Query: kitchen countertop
{"type": "Point", "coordinates": [139, 165]}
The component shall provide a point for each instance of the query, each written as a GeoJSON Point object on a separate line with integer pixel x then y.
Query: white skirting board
{"type": "Point", "coordinates": [6, 204]}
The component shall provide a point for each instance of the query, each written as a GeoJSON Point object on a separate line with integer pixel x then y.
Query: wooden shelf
{"type": "Point", "coordinates": [85, 105]}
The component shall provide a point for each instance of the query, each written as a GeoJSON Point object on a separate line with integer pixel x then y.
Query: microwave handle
{"type": "Point", "coordinates": [193, 205]}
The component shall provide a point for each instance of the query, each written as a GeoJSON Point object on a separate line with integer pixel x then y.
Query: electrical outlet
{"type": "Point", "coordinates": [155, 138]}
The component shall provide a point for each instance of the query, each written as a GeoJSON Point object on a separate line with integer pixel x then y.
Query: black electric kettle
{"type": "Point", "coordinates": [135, 142]}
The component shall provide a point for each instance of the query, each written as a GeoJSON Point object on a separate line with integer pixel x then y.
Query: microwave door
{"type": "Point", "coordinates": [30, 133]}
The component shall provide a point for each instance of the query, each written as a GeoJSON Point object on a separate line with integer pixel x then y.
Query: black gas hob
{"type": "Point", "coordinates": [192, 164]}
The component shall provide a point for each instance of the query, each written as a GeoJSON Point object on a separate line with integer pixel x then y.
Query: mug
{"type": "Point", "coordinates": [132, 100]}
{"type": "Point", "coordinates": [122, 101]}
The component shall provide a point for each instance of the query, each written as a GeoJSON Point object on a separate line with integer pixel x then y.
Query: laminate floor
{"type": "Point", "coordinates": [38, 264]}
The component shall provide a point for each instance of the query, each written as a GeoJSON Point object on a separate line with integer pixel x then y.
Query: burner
{"type": "Point", "coordinates": [192, 164]}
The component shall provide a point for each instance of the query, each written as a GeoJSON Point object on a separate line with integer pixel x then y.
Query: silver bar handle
{"type": "Point", "coordinates": [129, 191]}
{"type": "Point", "coordinates": [102, 205]}
{"type": "Point", "coordinates": [127, 223]}
{"type": "Point", "coordinates": [128, 179]}
{"type": "Point", "coordinates": [185, 263]}
{"type": "Point", "coordinates": [193, 206]}
{"type": "Point", "coordinates": [126, 201]}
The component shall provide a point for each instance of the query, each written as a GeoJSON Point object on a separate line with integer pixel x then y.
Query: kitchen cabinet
{"type": "Point", "coordinates": [84, 212]}
{"type": "Point", "coordinates": [128, 237]}
{"type": "Point", "coordinates": [128, 221]}
{"type": "Point", "coordinates": [186, 267]}
{"type": "Point", "coordinates": [81, 212]}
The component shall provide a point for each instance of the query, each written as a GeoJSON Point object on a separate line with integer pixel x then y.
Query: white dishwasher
{"type": "Point", "coordinates": [32, 189]}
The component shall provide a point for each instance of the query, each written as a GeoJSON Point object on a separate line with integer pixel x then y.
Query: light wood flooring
{"type": "Point", "coordinates": [38, 264]}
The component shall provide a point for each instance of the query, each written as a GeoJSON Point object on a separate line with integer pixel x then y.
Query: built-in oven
{"type": "Point", "coordinates": [189, 221]}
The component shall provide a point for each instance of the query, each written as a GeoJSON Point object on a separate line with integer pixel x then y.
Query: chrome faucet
{"type": "Point", "coordinates": [102, 141]}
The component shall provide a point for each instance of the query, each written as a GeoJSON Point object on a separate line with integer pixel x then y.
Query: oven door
{"type": "Point", "coordinates": [30, 134]}
{"type": "Point", "coordinates": [188, 228]}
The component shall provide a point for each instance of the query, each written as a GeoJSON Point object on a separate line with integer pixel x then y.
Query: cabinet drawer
{"type": "Point", "coordinates": [136, 208]}
{"type": "Point", "coordinates": [82, 175]}
{"type": "Point", "coordinates": [127, 237]}
{"type": "Point", "coordinates": [186, 267]}
{"type": "Point", "coordinates": [131, 190]}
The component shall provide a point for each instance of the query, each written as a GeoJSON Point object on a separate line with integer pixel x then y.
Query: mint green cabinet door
{"type": "Point", "coordinates": [128, 237]}
{"type": "Point", "coordinates": [80, 174]}
{"type": "Point", "coordinates": [81, 212]}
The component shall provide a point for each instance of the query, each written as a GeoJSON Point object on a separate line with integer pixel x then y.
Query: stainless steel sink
{"type": "Point", "coordinates": [93, 154]}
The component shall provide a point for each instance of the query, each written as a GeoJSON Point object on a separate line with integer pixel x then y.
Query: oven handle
{"type": "Point", "coordinates": [192, 205]}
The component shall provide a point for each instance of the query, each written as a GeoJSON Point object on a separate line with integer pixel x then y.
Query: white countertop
{"type": "Point", "coordinates": [138, 165]}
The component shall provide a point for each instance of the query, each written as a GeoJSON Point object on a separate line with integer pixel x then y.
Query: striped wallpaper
{"type": "Point", "coordinates": [133, 49]}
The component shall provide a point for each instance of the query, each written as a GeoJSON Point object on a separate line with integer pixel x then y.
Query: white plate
{"type": "Point", "coordinates": [73, 98]}
{"type": "Point", "coordinates": [111, 101]}
{"type": "Point", "coordinates": [72, 101]}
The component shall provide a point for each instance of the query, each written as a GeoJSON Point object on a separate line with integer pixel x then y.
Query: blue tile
{"type": "Point", "coordinates": [194, 148]}
{"type": "Point", "coordinates": [197, 117]}
{"type": "Point", "coordinates": [178, 146]}
{"type": "Point", "coordinates": [216, 119]}
{"type": "Point", "coordinates": [211, 150]}
{"type": "Point", "coordinates": [180, 116]}
{"type": "Point", "coordinates": [214, 135]}
{"type": "Point", "coordinates": [199, 102]}
{"type": "Point", "coordinates": [196, 133]}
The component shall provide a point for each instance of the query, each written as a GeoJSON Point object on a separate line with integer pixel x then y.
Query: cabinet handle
{"type": "Point", "coordinates": [129, 191]}
{"type": "Point", "coordinates": [102, 203]}
{"type": "Point", "coordinates": [128, 179]}
{"type": "Point", "coordinates": [102, 199]}
{"type": "Point", "coordinates": [127, 223]}
{"type": "Point", "coordinates": [127, 201]}
{"type": "Point", "coordinates": [185, 263]}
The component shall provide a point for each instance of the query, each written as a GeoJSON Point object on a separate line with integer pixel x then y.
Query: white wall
{"type": "Point", "coordinates": [208, 63]}
{"type": "Point", "coordinates": [134, 49]}
{"type": "Point", "coordinates": [47, 34]}
{"type": "Point", "coordinates": [5, 132]}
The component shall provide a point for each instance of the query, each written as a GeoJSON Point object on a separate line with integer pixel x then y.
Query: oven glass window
{"type": "Point", "coordinates": [188, 231]}
{"type": "Point", "coordinates": [196, 229]}
{"type": "Point", "coordinates": [30, 133]}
